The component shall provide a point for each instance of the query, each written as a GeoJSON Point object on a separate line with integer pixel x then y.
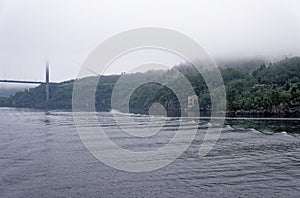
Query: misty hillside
{"type": "Point", "coordinates": [272, 89]}
{"type": "Point", "coordinates": [7, 91]}
{"type": "Point", "coordinates": [247, 65]}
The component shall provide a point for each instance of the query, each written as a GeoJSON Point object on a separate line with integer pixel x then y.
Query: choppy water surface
{"type": "Point", "coordinates": [41, 155]}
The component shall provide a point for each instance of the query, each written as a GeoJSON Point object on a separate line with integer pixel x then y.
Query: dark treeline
{"type": "Point", "coordinates": [269, 89]}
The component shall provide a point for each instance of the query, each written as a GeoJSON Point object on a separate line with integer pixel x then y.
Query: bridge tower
{"type": "Point", "coordinates": [47, 82]}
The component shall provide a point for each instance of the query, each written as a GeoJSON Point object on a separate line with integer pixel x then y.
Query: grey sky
{"type": "Point", "coordinates": [66, 31]}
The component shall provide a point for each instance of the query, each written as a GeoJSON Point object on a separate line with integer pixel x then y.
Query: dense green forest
{"type": "Point", "coordinates": [269, 89]}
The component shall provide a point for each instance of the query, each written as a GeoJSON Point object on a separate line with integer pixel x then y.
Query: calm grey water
{"type": "Point", "coordinates": [41, 155]}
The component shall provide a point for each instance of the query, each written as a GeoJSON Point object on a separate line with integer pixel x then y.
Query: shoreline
{"type": "Point", "coordinates": [264, 114]}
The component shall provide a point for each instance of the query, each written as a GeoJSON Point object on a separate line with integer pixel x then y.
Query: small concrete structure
{"type": "Point", "coordinates": [192, 109]}
{"type": "Point", "coordinates": [192, 101]}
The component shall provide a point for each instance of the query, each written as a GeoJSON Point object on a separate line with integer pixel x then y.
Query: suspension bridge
{"type": "Point", "coordinates": [47, 82]}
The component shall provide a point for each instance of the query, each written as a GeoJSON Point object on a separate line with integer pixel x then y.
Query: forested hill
{"type": "Point", "coordinates": [61, 95]}
{"type": "Point", "coordinates": [270, 89]}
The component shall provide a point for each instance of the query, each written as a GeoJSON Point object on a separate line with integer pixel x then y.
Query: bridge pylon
{"type": "Point", "coordinates": [47, 83]}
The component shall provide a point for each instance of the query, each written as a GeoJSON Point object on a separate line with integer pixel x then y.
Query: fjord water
{"type": "Point", "coordinates": [41, 155]}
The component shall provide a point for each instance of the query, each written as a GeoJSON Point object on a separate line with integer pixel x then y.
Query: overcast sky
{"type": "Point", "coordinates": [65, 32]}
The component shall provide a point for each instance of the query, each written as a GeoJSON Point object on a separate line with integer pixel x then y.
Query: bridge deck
{"type": "Point", "coordinates": [22, 81]}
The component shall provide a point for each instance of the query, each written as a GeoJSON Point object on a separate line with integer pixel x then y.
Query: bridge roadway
{"type": "Point", "coordinates": [22, 81]}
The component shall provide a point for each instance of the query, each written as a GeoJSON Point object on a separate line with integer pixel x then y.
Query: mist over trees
{"type": "Point", "coordinates": [267, 90]}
